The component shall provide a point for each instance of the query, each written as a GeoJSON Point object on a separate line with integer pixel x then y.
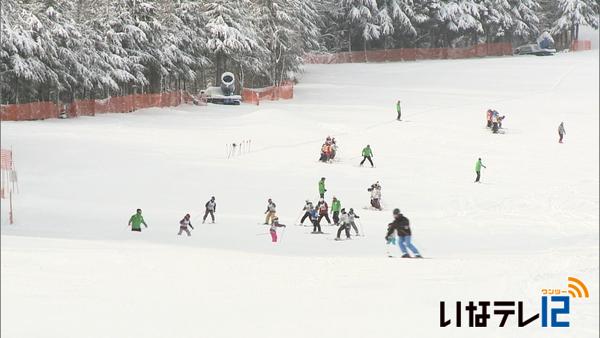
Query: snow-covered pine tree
{"type": "Point", "coordinates": [395, 19]}
{"type": "Point", "coordinates": [572, 14]}
{"type": "Point", "coordinates": [496, 19]}
{"type": "Point", "coordinates": [360, 18]}
{"type": "Point", "coordinates": [525, 20]}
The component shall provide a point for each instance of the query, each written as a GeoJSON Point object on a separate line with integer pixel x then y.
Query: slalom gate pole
{"type": "Point", "coordinates": [282, 233]}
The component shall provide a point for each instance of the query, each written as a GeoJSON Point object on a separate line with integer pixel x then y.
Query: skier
{"type": "Point", "coordinates": [314, 218]}
{"type": "Point", "coordinates": [307, 208]}
{"type": "Point", "coordinates": [367, 154]}
{"type": "Point", "coordinates": [183, 225]}
{"type": "Point", "coordinates": [323, 211]}
{"type": "Point", "coordinates": [561, 132]}
{"type": "Point", "coordinates": [210, 209]}
{"type": "Point", "coordinates": [136, 220]}
{"type": "Point", "coordinates": [322, 189]}
{"type": "Point", "coordinates": [478, 166]}
{"type": "Point", "coordinates": [495, 123]}
{"type": "Point", "coordinates": [391, 240]}
{"type": "Point", "coordinates": [271, 210]}
{"type": "Point", "coordinates": [375, 190]}
{"type": "Point", "coordinates": [399, 111]}
{"type": "Point", "coordinates": [344, 225]}
{"type": "Point", "coordinates": [335, 210]}
{"type": "Point", "coordinates": [489, 115]}
{"type": "Point", "coordinates": [402, 226]}
{"type": "Point", "coordinates": [273, 229]}
{"type": "Point", "coordinates": [351, 217]}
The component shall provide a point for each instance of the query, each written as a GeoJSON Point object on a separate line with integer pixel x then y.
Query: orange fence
{"type": "Point", "coordinates": [284, 91]}
{"type": "Point", "coordinates": [117, 104]}
{"type": "Point", "coordinates": [578, 45]}
{"type": "Point", "coordinates": [412, 54]}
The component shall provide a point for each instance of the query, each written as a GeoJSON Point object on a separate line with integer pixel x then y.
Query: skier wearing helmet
{"type": "Point", "coordinates": [184, 224]}
{"type": "Point", "coordinates": [307, 208]}
{"type": "Point", "coordinates": [271, 210]}
{"type": "Point", "coordinates": [273, 229]}
{"type": "Point", "coordinates": [402, 226]}
{"type": "Point", "coordinates": [210, 209]}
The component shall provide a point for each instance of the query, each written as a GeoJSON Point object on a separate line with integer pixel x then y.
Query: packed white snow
{"type": "Point", "coordinates": [71, 268]}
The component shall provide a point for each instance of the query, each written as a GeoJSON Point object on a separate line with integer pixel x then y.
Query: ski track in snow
{"type": "Point", "coordinates": [71, 266]}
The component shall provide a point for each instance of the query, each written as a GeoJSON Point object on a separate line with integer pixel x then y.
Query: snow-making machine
{"type": "Point", "coordinates": [225, 93]}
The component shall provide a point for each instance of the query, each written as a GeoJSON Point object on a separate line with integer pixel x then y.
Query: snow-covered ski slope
{"type": "Point", "coordinates": [70, 267]}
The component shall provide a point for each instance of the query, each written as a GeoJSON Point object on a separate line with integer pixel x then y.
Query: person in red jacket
{"type": "Point", "coordinates": [323, 211]}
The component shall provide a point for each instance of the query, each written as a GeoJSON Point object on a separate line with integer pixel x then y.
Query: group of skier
{"type": "Point", "coordinates": [185, 224]}
{"type": "Point", "coordinates": [328, 149]}
{"type": "Point", "coordinates": [494, 120]}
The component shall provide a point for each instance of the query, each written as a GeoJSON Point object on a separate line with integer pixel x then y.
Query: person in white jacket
{"type": "Point", "coordinates": [375, 196]}
{"type": "Point", "coordinates": [344, 225]}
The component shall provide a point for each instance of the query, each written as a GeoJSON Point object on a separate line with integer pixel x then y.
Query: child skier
{"type": "Point", "coordinates": [478, 166]}
{"type": "Point", "coordinates": [367, 154]}
{"type": "Point", "coordinates": [210, 209]}
{"type": "Point", "coordinates": [402, 226]}
{"type": "Point", "coordinates": [271, 210]}
{"type": "Point", "coordinates": [351, 217]}
{"type": "Point", "coordinates": [344, 225]}
{"type": "Point", "coordinates": [323, 211]}
{"type": "Point", "coordinates": [136, 220]}
{"type": "Point", "coordinates": [314, 218]}
{"type": "Point", "coordinates": [183, 225]}
{"type": "Point", "coordinates": [322, 189]}
{"type": "Point", "coordinates": [273, 229]}
{"type": "Point", "coordinates": [399, 111]}
{"type": "Point", "coordinates": [375, 190]}
{"type": "Point", "coordinates": [336, 205]}
{"type": "Point", "coordinates": [561, 132]}
{"type": "Point", "coordinates": [307, 208]}
{"type": "Point", "coordinates": [489, 115]}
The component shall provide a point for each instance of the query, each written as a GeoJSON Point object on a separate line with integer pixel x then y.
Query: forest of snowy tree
{"type": "Point", "coordinates": [72, 49]}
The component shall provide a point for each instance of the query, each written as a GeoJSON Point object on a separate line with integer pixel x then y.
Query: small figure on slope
{"type": "Point", "coordinates": [273, 229]}
{"type": "Point", "coordinates": [561, 132]}
{"type": "Point", "coordinates": [323, 211]}
{"type": "Point", "coordinates": [390, 241]}
{"type": "Point", "coordinates": [136, 220]}
{"type": "Point", "coordinates": [351, 217]}
{"type": "Point", "coordinates": [402, 226]}
{"type": "Point", "coordinates": [307, 208]}
{"type": "Point", "coordinates": [375, 191]}
{"type": "Point", "coordinates": [336, 206]}
{"type": "Point", "coordinates": [344, 225]}
{"type": "Point", "coordinates": [210, 209]}
{"type": "Point", "coordinates": [478, 166]}
{"type": "Point", "coordinates": [314, 218]}
{"type": "Point", "coordinates": [322, 189]}
{"type": "Point", "coordinates": [399, 111]}
{"type": "Point", "coordinates": [184, 224]}
{"type": "Point", "coordinates": [489, 115]}
{"type": "Point", "coordinates": [271, 210]}
{"type": "Point", "coordinates": [367, 154]}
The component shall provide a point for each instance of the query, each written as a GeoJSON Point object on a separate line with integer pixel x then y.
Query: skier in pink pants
{"type": "Point", "coordinates": [273, 229]}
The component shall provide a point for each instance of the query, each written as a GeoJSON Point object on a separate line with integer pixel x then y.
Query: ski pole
{"type": "Point", "coordinates": [282, 233]}
{"type": "Point", "coordinates": [362, 230]}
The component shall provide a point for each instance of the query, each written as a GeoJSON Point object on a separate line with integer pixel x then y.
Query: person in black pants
{"type": "Point", "coordinates": [323, 211]}
{"type": "Point", "coordinates": [307, 208]}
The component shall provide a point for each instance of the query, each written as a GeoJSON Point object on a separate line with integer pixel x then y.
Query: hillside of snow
{"type": "Point", "coordinates": [71, 268]}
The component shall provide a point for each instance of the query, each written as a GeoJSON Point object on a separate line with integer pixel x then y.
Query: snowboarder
{"type": "Point", "coordinates": [307, 208]}
{"type": "Point", "coordinates": [402, 226]}
{"type": "Point", "coordinates": [183, 225]}
{"type": "Point", "coordinates": [136, 220]}
{"type": "Point", "coordinates": [367, 154]}
{"type": "Point", "coordinates": [335, 210]}
{"type": "Point", "coordinates": [351, 217]}
{"type": "Point", "coordinates": [399, 111]}
{"type": "Point", "coordinates": [344, 225]}
{"type": "Point", "coordinates": [273, 229]}
{"type": "Point", "coordinates": [210, 209]}
{"type": "Point", "coordinates": [561, 132]}
{"type": "Point", "coordinates": [314, 218]}
{"type": "Point", "coordinates": [322, 189]}
{"type": "Point", "coordinates": [323, 211]}
{"type": "Point", "coordinates": [271, 210]}
{"type": "Point", "coordinates": [478, 166]}
{"type": "Point", "coordinates": [375, 190]}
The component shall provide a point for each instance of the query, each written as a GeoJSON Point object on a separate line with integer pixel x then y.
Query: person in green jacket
{"type": "Point", "coordinates": [478, 166]}
{"type": "Point", "coordinates": [367, 153]}
{"type": "Point", "coordinates": [399, 110]}
{"type": "Point", "coordinates": [136, 221]}
{"type": "Point", "coordinates": [322, 189]}
{"type": "Point", "coordinates": [336, 206]}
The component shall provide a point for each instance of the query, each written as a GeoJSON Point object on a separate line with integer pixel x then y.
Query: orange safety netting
{"type": "Point", "coordinates": [284, 91]}
{"type": "Point", "coordinates": [117, 104]}
{"type": "Point", "coordinates": [412, 54]}
{"type": "Point", "coordinates": [578, 45]}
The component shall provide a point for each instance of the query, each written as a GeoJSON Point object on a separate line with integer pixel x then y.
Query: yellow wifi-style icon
{"type": "Point", "coordinates": [577, 289]}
